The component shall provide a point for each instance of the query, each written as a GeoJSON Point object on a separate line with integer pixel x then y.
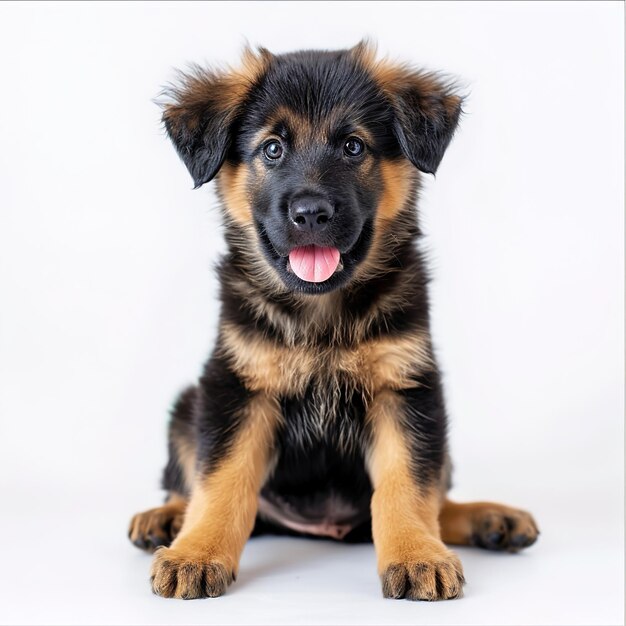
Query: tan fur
{"type": "Point", "coordinates": [226, 88]}
{"type": "Point", "coordinates": [280, 369]}
{"type": "Point", "coordinates": [304, 131]}
{"type": "Point", "coordinates": [232, 182]}
{"type": "Point", "coordinates": [394, 77]}
{"type": "Point", "coordinates": [239, 81]}
{"type": "Point", "coordinates": [365, 52]}
{"type": "Point", "coordinates": [162, 522]}
{"type": "Point", "coordinates": [404, 518]}
{"type": "Point", "coordinates": [387, 73]}
{"type": "Point", "coordinates": [265, 133]}
{"type": "Point", "coordinates": [186, 456]}
{"type": "Point", "coordinates": [459, 522]}
{"type": "Point", "coordinates": [301, 130]}
{"type": "Point", "coordinates": [222, 508]}
{"type": "Point", "coordinates": [399, 178]}
{"type": "Point", "coordinates": [396, 497]}
{"type": "Point", "coordinates": [399, 184]}
{"type": "Point", "coordinates": [253, 65]}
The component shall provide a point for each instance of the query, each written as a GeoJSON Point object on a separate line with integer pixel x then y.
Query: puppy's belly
{"type": "Point", "coordinates": [319, 484]}
{"type": "Point", "coordinates": [327, 516]}
{"type": "Point", "coordinates": [317, 490]}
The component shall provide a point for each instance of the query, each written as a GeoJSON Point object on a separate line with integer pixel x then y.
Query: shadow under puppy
{"type": "Point", "coordinates": [320, 410]}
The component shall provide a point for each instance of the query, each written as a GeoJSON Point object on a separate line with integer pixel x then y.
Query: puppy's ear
{"type": "Point", "coordinates": [427, 112]}
{"type": "Point", "coordinates": [201, 109]}
{"type": "Point", "coordinates": [426, 107]}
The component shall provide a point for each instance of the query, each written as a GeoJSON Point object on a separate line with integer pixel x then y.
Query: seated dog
{"type": "Point", "coordinates": [320, 410]}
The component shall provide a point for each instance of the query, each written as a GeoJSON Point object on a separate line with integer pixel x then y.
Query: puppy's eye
{"type": "Point", "coordinates": [353, 147]}
{"type": "Point", "coordinates": [273, 150]}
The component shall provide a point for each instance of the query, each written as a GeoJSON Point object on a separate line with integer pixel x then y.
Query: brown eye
{"type": "Point", "coordinates": [353, 147]}
{"type": "Point", "coordinates": [273, 150]}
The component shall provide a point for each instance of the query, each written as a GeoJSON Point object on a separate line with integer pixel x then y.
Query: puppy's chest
{"type": "Point", "coordinates": [326, 373]}
{"type": "Point", "coordinates": [329, 412]}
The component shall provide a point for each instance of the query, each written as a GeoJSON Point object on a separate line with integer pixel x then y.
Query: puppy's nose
{"type": "Point", "coordinates": [310, 214]}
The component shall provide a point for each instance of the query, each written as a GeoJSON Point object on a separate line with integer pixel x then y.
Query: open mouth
{"type": "Point", "coordinates": [315, 269]}
{"type": "Point", "coordinates": [314, 264]}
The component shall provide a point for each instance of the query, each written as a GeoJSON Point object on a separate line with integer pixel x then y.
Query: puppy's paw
{"type": "Point", "coordinates": [503, 528]}
{"type": "Point", "coordinates": [155, 528]}
{"type": "Point", "coordinates": [431, 577]}
{"type": "Point", "coordinates": [176, 574]}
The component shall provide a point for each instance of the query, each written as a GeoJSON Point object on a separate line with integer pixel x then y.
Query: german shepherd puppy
{"type": "Point", "coordinates": [320, 411]}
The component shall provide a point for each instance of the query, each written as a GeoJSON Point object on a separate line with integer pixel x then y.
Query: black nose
{"type": "Point", "coordinates": [310, 214]}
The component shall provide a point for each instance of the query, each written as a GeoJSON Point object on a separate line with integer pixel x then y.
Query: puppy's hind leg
{"type": "Point", "coordinates": [487, 525]}
{"type": "Point", "coordinates": [160, 526]}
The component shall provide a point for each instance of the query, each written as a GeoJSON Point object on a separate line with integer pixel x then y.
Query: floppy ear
{"type": "Point", "coordinates": [202, 108]}
{"type": "Point", "coordinates": [426, 115]}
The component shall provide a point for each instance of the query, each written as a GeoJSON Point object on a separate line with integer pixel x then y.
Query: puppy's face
{"type": "Point", "coordinates": [311, 143]}
{"type": "Point", "coordinates": [315, 150]}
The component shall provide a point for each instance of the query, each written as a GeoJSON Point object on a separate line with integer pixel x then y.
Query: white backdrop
{"type": "Point", "coordinates": [109, 303]}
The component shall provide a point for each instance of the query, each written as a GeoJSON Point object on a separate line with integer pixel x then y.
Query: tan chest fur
{"type": "Point", "coordinates": [367, 367]}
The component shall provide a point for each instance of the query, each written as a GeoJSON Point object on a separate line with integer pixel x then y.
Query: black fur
{"type": "Point", "coordinates": [321, 409]}
{"type": "Point", "coordinates": [424, 125]}
{"type": "Point", "coordinates": [334, 89]}
{"type": "Point", "coordinates": [201, 131]}
{"type": "Point", "coordinates": [181, 428]}
{"type": "Point", "coordinates": [324, 89]}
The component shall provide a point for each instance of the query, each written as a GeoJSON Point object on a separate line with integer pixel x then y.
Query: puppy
{"type": "Point", "coordinates": [320, 411]}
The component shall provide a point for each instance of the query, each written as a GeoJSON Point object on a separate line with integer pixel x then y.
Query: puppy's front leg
{"type": "Point", "coordinates": [203, 559]}
{"type": "Point", "coordinates": [413, 562]}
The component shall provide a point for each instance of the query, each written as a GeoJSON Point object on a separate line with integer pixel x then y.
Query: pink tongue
{"type": "Point", "coordinates": [314, 264]}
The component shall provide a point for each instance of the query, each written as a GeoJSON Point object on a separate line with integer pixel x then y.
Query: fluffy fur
{"type": "Point", "coordinates": [320, 411]}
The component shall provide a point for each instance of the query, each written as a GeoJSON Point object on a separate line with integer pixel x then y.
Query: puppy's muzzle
{"type": "Point", "coordinates": [311, 214]}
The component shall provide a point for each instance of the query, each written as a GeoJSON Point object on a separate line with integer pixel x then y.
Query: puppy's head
{"type": "Point", "coordinates": [317, 151]}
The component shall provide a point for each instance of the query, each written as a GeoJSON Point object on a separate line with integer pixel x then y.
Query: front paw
{"type": "Point", "coordinates": [427, 576]}
{"type": "Point", "coordinates": [177, 574]}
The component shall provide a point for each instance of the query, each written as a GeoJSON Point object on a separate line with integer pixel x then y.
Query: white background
{"type": "Point", "coordinates": [109, 303]}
